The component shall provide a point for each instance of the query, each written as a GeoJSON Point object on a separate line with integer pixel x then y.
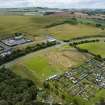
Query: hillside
{"type": "Point", "coordinates": [35, 26]}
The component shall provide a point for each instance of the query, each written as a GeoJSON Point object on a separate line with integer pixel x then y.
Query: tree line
{"type": "Point", "coordinates": [72, 21]}
{"type": "Point", "coordinates": [84, 38]}
{"type": "Point", "coordinates": [83, 41]}
{"type": "Point", "coordinates": [21, 52]}
{"type": "Point", "coordinates": [96, 56]}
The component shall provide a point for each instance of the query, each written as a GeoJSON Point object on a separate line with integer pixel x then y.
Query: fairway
{"type": "Point", "coordinates": [97, 47]}
{"type": "Point", "coordinates": [68, 31]}
{"type": "Point", "coordinates": [48, 63]}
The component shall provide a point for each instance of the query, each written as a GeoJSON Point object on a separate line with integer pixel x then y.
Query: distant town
{"type": "Point", "coordinates": [41, 11]}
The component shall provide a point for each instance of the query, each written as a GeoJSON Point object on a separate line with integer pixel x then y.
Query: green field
{"type": "Point", "coordinates": [42, 65]}
{"type": "Point", "coordinates": [68, 31]}
{"type": "Point", "coordinates": [97, 47]}
{"type": "Point", "coordinates": [31, 25]}
{"type": "Point", "coordinates": [34, 26]}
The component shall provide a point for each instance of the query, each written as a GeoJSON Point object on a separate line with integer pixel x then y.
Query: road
{"type": "Point", "coordinates": [5, 47]}
{"type": "Point", "coordinates": [52, 47]}
{"type": "Point", "coordinates": [36, 52]}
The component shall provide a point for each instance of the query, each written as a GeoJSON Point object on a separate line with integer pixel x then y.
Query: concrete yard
{"type": "Point", "coordinates": [7, 45]}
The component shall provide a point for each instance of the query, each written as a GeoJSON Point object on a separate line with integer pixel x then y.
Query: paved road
{"type": "Point", "coordinates": [55, 46]}
{"type": "Point", "coordinates": [5, 47]}
{"type": "Point", "coordinates": [36, 52]}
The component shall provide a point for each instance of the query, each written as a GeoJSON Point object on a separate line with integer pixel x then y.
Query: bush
{"type": "Point", "coordinates": [98, 25]}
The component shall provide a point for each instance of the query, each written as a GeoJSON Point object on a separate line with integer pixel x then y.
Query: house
{"type": "Point", "coordinates": [6, 53]}
{"type": "Point", "coordinates": [51, 39]}
{"type": "Point", "coordinates": [18, 36]}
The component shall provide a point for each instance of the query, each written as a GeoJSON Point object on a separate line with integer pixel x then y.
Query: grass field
{"type": "Point", "coordinates": [43, 64]}
{"type": "Point", "coordinates": [47, 63]}
{"type": "Point", "coordinates": [67, 31]}
{"type": "Point", "coordinates": [97, 48]}
{"type": "Point", "coordinates": [34, 26]}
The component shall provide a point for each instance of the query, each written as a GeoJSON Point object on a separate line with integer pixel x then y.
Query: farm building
{"type": "Point", "coordinates": [5, 53]}
{"type": "Point", "coordinates": [17, 40]}
{"type": "Point", "coordinates": [51, 39]}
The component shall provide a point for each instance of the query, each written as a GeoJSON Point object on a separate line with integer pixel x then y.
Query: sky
{"type": "Point", "coordinates": [53, 3]}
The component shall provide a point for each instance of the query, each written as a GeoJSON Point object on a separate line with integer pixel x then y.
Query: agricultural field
{"type": "Point", "coordinates": [67, 31]}
{"type": "Point", "coordinates": [96, 48]}
{"type": "Point", "coordinates": [92, 21]}
{"type": "Point", "coordinates": [35, 27]}
{"type": "Point", "coordinates": [31, 25]}
{"type": "Point", "coordinates": [44, 64]}
{"type": "Point", "coordinates": [78, 71]}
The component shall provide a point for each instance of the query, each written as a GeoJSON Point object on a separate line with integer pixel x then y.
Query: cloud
{"type": "Point", "coordinates": [54, 3]}
{"type": "Point", "coordinates": [72, 3]}
{"type": "Point", "coordinates": [15, 3]}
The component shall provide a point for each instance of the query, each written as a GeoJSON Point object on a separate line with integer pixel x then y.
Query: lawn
{"type": "Point", "coordinates": [42, 65]}
{"type": "Point", "coordinates": [97, 47]}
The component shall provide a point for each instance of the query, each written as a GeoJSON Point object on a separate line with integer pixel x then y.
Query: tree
{"type": "Point", "coordinates": [98, 25]}
{"type": "Point", "coordinates": [15, 90]}
{"type": "Point", "coordinates": [3, 102]}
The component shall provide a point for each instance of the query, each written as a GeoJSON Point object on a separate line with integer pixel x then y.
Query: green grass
{"type": "Point", "coordinates": [42, 65]}
{"type": "Point", "coordinates": [32, 25]}
{"type": "Point", "coordinates": [92, 21]}
{"type": "Point", "coordinates": [36, 68]}
{"type": "Point", "coordinates": [99, 95]}
{"type": "Point", "coordinates": [67, 31]}
{"type": "Point", "coordinates": [97, 47]}
{"type": "Point", "coordinates": [35, 26]}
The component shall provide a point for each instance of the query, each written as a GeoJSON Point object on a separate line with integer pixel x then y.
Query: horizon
{"type": "Point", "coordinates": [52, 8]}
{"type": "Point", "coordinates": [61, 4]}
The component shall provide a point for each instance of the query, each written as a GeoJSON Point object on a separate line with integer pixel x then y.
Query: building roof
{"type": "Point", "coordinates": [51, 39]}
